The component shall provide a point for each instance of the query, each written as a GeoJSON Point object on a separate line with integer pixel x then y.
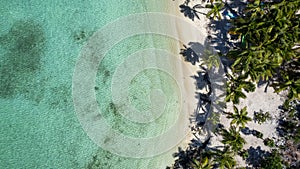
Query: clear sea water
{"type": "Point", "coordinates": [40, 42]}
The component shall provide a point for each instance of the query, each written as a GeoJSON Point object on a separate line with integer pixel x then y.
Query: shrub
{"type": "Point", "coordinates": [261, 117]}
{"type": "Point", "coordinates": [269, 142]}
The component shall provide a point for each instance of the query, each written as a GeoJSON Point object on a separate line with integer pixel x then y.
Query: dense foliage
{"type": "Point", "coordinates": [268, 51]}
{"type": "Point", "coordinates": [270, 32]}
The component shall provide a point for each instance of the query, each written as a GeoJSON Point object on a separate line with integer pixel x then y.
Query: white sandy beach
{"type": "Point", "coordinates": [256, 101]}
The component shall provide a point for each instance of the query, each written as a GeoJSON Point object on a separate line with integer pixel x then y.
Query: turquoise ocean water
{"type": "Point", "coordinates": [40, 42]}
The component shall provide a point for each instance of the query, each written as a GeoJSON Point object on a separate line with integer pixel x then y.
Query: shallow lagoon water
{"type": "Point", "coordinates": [39, 43]}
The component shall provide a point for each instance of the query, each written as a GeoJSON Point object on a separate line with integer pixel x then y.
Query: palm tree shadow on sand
{"type": "Point", "coordinates": [191, 11]}
{"type": "Point", "coordinates": [210, 102]}
{"type": "Point", "coordinates": [222, 39]}
{"type": "Point", "coordinates": [208, 80]}
{"type": "Point", "coordinates": [204, 120]}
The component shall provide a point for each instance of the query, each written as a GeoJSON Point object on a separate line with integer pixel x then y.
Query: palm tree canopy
{"type": "Point", "coordinates": [239, 117]}
{"type": "Point", "coordinates": [232, 138]}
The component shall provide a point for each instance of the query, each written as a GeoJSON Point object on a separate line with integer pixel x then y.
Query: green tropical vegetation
{"type": "Point", "coordinates": [236, 87]}
{"type": "Point", "coordinates": [259, 134]}
{"type": "Point", "coordinates": [269, 142]}
{"type": "Point", "coordinates": [203, 164]}
{"type": "Point", "coordinates": [270, 33]}
{"type": "Point", "coordinates": [244, 154]}
{"type": "Point", "coordinates": [224, 159]}
{"type": "Point", "coordinates": [268, 52]}
{"type": "Point", "coordinates": [239, 118]}
{"type": "Point", "coordinates": [216, 7]}
{"type": "Point", "coordinates": [261, 117]}
{"type": "Point", "coordinates": [273, 161]}
{"type": "Point", "coordinates": [233, 139]}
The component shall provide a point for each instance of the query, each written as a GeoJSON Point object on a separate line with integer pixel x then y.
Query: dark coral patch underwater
{"type": "Point", "coordinates": [24, 45]}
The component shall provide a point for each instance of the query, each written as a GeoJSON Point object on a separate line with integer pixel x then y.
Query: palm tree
{"type": "Point", "coordinates": [233, 139]}
{"type": "Point", "coordinates": [235, 87]}
{"type": "Point", "coordinates": [273, 161]}
{"type": "Point", "coordinates": [261, 117]}
{"type": "Point", "coordinates": [271, 32]}
{"type": "Point", "coordinates": [215, 9]}
{"type": "Point", "coordinates": [224, 158]}
{"type": "Point", "coordinates": [210, 59]}
{"type": "Point", "coordinates": [239, 117]}
{"type": "Point", "coordinates": [205, 163]}
{"type": "Point", "coordinates": [196, 155]}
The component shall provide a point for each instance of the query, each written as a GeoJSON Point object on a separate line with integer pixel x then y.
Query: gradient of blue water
{"type": "Point", "coordinates": [39, 128]}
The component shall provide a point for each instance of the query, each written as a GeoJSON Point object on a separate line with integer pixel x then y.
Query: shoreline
{"type": "Point", "coordinates": [173, 8]}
